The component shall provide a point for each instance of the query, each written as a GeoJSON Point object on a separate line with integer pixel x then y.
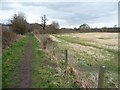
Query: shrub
{"type": "Point", "coordinates": [8, 37]}
{"type": "Point", "coordinates": [52, 29]}
{"type": "Point", "coordinates": [44, 38]}
{"type": "Point", "coordinates": [46, 41]}
{"type": "Point", "coordinates": [19, 23]}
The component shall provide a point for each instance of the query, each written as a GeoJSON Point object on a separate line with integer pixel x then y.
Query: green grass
{"type": "Point", "coordinates": [44, 73]}
{"type": "Point", "coordinates": [85, 43]}
{"type": "Point", "coordinates": [109, 64]}
{"type": "Point", "coordinates": [11, 61]}
{"type": "Point", "coordinates": [91, 63]}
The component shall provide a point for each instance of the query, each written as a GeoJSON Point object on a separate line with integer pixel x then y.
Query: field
{"type": "Point", "coordinates": [86, 52]}
{"type": "Point", "coordinates": [71, 45]}
{"type": "Point", "coordinates": [36, 67]}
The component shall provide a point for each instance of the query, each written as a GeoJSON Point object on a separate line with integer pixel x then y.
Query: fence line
{"type": "Point", "coordinates": [66, 57]}
{"type": "Point", "coordinates": [51, 52]}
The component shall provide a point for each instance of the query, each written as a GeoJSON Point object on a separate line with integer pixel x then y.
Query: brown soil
{"type": "Point", "coordinates": [25, 81]}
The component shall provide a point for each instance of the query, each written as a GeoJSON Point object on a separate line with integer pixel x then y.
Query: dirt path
{"type": "Point", "coordinates": [25, 81]}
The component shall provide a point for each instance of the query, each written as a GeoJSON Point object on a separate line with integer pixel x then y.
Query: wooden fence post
{"type": "Point", "coordinates": [101, 76]}
{"type": "Point", "coordinates": [53, 50]}
{"type": "Point", "coordinates": [66, 57]}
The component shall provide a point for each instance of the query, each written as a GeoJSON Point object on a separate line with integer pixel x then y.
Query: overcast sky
{"type": "Point", "coordinates": [67, 14]}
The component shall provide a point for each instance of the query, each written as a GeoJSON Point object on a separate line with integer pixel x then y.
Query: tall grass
{"type": "Point", "coordinates": [44, 72]}
{"type": "Point", "coordinates": [8, 37]}
{"type": "Point", "coordinates": [89, 63]}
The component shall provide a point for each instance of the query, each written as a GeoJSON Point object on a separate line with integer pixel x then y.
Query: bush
{"type": "Point", "coordinates": [52, 29]}
{"type": "Point", "coordinates": [44, 38]}
{"type": "Point", "coordinates": [55, 24]}
{"type": "Point", "coordinates": [19, 23]}
{"type": "Point", "coordinates": [8, 37]}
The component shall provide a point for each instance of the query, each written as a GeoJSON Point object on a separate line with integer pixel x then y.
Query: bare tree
{"type": "Point", "coordinates": [44, 19]}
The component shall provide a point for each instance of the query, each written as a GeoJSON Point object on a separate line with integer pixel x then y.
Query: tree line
{"type": "Point", "coordinates": [21, 26]}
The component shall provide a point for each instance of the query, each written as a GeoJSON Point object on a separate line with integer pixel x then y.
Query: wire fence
{"type": "Point", "coordinates": [86, 74]}
{"type": "Point", "coordinates": [69, 60]}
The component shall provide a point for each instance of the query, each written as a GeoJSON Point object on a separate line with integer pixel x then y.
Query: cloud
{"type": "Point", "coordinates": [68, 14]}
{"type": "Point", "coordinates": [119, 14]}
{"type": "Point", "coordinates": [60, 0]}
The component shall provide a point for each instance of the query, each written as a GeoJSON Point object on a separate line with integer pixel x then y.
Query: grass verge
{"type": "Point", "coordinates": [44, 72]}
{"type": "Point", "coordinates": [11, 60]}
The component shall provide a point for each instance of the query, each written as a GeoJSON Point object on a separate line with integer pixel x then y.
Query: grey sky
{"type": "Point", "coordinates": [68, 14]}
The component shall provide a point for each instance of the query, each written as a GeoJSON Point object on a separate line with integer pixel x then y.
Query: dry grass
{"type": "Point", "coordinates": [89, 51]}
{"type": "Point", "coordinates": [8, 37]}
{"type": "Point", "coordinates": [85, 57]}
{"type": "Point", "coordinates": [109, 40]}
